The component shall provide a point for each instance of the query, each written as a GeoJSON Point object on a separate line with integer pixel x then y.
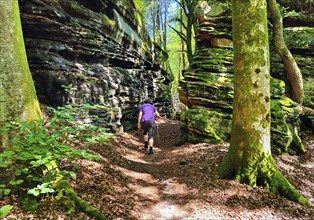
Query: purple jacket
{"type": "Point", "coordinates": [148, 111]}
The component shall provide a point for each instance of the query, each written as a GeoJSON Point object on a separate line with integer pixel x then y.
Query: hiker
{"type": "Point", "coordinates": [146, 121]}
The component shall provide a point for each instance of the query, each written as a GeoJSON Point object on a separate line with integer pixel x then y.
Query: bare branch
{"type": "Point", "coordinates": [181, 35]}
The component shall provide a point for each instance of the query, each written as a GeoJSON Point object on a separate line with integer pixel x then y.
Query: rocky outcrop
{"type": "Point", "coordinates": [96, 52]}
{"type": "Point", "coordinates": [300, 41]}
{"type": "Point", "coordinates": [207, 87]}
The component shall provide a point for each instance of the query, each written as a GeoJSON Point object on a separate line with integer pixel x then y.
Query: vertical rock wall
{"type": "Point", "coordinates": [96, 52]}
{"type": "Point", "coordinates": [207, 87]}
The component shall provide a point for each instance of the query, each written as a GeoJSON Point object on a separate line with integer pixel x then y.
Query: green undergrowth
{"type": "Point", "coordinates": [30, 164]}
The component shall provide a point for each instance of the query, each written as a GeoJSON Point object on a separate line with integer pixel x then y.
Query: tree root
{"type": "Point", "coordinates": [263, 172]}
{"type": "Point", "coordinates": [277, 182]}
{"type": "Point", "coordinates": [69, 198]}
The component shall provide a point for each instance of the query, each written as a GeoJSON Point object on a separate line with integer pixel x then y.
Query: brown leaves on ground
{"type": "Point", "coordinates": [179, 182]}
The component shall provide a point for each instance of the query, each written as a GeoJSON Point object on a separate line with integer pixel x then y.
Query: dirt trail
{"type": "Point", "coordinates": [181, 183]}
{"type": "Point", "coordinates": [159, 194]}
{"type": "Point", "coordinates": [174, 183]}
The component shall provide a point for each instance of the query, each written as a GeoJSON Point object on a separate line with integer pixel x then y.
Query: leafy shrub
{"type": "Point", "coordinates": [35, 151]}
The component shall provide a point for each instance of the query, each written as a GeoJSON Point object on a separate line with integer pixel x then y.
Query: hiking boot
{"type": "Point", "coordinates": [151, 151]}
{"type": "Point", "coordinates": [146, 145]}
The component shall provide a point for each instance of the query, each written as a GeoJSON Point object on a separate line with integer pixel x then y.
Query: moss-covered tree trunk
{"type": "Point", "coordinates": [18, 100]}
{"type": "Point", "coordinates": [249, 157]}
{"type": "Point", "coordinates": [292, 70]}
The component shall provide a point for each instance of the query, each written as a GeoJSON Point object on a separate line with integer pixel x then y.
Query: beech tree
{"type": "Point", "coordinates": [249, 158]}
{"type": "Point", "coordinates": [18, 100]}
{"type": "Point", "coordinates": [189, 25]}
{"type": "Point", "coordinates": [292, 70]}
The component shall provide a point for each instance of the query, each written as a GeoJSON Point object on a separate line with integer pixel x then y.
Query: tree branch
{"type": "Point", "coordinates": [182, 23]}
{"type": "Point", "coordinates": [181, 35]}
{"type": "Point", "coordinates": [183, 7]}
{"type": "Point", "coordinates": [292, 70]}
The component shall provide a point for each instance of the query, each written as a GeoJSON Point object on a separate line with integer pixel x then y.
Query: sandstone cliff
{"type": "Point", "coordinates": [207, 86]}
{"type": "Point", "coordinates": [96, 52]}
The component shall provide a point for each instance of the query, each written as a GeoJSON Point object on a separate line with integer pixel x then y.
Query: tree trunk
{"type": "Point", "coordinates": [191, 20]}
{"type": "Point", "coordinates": [292, 70]}
{"type": "Point", "coordinates": [164, 24]}
{"type": "Point", "coordinates": [249, 157]}
{"type": "Point", "coordinates": [158, 24]}
{"type": "Point", "coordinates": [182, 49]}
{"type": "Point", "coordinates": [18, 100]}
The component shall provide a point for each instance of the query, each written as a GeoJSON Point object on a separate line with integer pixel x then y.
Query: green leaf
{"type": "Point", "coordinates": [7, 192]}
{"type": "Point", "coordinates": [19, 182]}
{"type": "Point", "coordinates": [8, 153]}
{"type": "Point", "coordinates": [46, 190]}
{"type": "Point", "coordinates": [36, 163]}
{"type": "Point", "coordinates": [4, 165]}
{"type": "Point", "coordinates": [50, 141]}
{"type": "Point", "coordinates": [83, 153]}
{"type": "Point", "coordinates": [72, 174]}
{"type": "Point", "coordinates": [46, 159]}
{"type": "Point", "coordinates": [13, 183]}
{"type": "Point", "coordinates": [34, 192]}
{"type": "Point", "coordinates": [42, 186]}
{"type": "Point", "coordinates": [4, 210]}
{"type": "Point", "coordinates": [76, 167]}
{"type": "Point", "coordinates": [60, 195]}
{"type": "Point", "coordinates": [26, 156]}
{"type": "Point", "coordinates": [25, 170]}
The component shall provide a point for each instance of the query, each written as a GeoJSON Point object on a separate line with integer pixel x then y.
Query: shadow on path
{"type": "Point", "coordinates": [181, 182]}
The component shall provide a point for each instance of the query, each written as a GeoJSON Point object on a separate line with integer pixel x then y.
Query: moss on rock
{"type": "Point", "coordinates": [205, 126]}
{"type": "Point", "coordinates": [285, 121]}
{"type": "Point", "coordinates": [28, 202]}
{"type": "Point", "coordinates": [277, 88]}
{"type": "Point", "coordinates": [69, 199]}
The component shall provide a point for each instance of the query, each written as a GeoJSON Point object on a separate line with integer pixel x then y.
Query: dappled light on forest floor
{"type": "Point", "coordinates": [178, 183]}
{"type": "Point", "coordinates": [182, 182]}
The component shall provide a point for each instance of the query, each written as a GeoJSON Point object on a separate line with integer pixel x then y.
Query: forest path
{"type": "Point", "coordinates": [174, 183]}
{"type": "Point", "coordinates": [159, 194]}
{"type": "Point", "coordinates": [182, 182]}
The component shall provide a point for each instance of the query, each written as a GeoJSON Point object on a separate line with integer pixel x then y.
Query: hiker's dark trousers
{"type": "Point", "coordinates": [149, 128]}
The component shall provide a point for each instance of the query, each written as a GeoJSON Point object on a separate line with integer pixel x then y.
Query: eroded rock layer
{"type": "Point", "coordinates": [207, 86]}
{"type": "Point", "coordinates": [95, 52]}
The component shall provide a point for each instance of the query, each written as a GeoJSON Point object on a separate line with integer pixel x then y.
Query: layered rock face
{"type": "Point", "coordinates": [95, 52]}
{"type": "Point", "coordinates": [207, 87]}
